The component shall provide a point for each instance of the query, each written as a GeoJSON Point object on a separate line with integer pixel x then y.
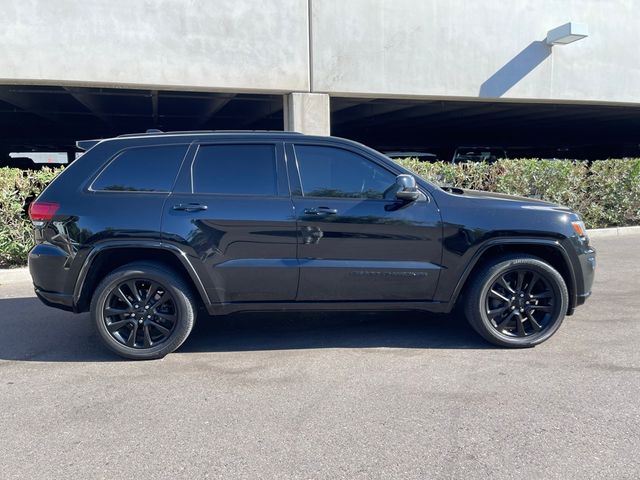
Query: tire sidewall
{"type": "Point", "coordinates": [183, 305]}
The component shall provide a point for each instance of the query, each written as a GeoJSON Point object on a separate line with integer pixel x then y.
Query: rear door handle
{"type": "Point", "coordinates": [320, 211]}
{"type": "Point", "coordinates": [190, 207]}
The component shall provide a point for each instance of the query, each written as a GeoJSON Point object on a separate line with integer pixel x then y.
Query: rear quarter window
{"type": "Point", "coordinates": [142, 169]}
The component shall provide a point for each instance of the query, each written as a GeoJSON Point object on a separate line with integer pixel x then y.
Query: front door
{"type": "Point", "coordinates": [356, 242]}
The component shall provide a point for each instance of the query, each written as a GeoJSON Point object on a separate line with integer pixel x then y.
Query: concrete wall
{"type": "Point", "coordinates": [468, 48]}
{"type": "Point", "coordinates": [255, 45]}
{"type": "Point", "coordinates": [431, 48]}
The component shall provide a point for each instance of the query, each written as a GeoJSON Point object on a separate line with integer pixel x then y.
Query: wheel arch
{"type": "Point", "coordinates": [105, 258]}
{"type": "Point", "coordinates": [546, 249]}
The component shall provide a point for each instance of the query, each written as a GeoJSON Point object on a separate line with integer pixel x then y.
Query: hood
{"type": "Point", "coordinates": [525, 202]}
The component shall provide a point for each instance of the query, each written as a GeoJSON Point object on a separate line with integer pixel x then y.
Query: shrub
{"type": "Point", "coordinates": [606, 193]}
{"type": "Point", "coordinates": [613, 188]}
{"type": "Point", "coordinates": [17, 189]}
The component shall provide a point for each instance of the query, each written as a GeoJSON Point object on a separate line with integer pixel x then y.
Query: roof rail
{"type": "Point", "coordinates": [154, 131]}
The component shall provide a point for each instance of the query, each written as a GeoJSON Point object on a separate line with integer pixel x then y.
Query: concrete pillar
{"type": "Point", "coordinates": [307, 113]}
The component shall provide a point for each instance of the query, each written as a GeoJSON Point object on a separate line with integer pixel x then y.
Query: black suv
{"type": "Point", "coordinates": [146, 230]}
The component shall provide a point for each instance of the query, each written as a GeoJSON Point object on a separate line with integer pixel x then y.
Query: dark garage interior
{"type": "Point", "coordinates": [538, 130]}
{"type": "Point", "coordinates": [52, 118]}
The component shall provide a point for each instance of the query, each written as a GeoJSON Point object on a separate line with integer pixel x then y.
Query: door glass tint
{"type": "Point", "coordinates": [143, 169]}
{"type": "Point", "coordinates": [334, 172]}
{"type": "Point", "coordinates": [235, 170]}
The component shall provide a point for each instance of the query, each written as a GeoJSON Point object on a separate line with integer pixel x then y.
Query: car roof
{"type": "Point", "coordinates": [194, 134]}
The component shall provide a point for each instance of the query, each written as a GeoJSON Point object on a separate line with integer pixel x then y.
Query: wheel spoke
{"type": "Point", "coordinates": [131, 341]}
{"type": "Point", "coordinates": [163, 298]}
{"type": "Point", "coordinates": [534, 279]}
{"type": "Point", "coordinates": [540, 296]}
{"type": "Point", "coordinates": [502, 325]}
{"type": "Point", "coordinates": [520, 281]}
{"type": "Point", "coordinates": [160, 328]}
{"type": "Point", "coordinates": [521, 331]}
{"type": "Point", "coordinates": [134, 290]}
{"type": "Point", "coordinates": [536, 326]}
{"type": "Point", "coordinates": [112, 311]}
{"type": "Point", "coordinates": [147, 336]}
{"type": "Point", "coordinates": [498, 295]}
{"type": "Point", "coordinates": [542, 308]}
{"type": "Point", "coordinates": [503, 282]}
{"type": "Point", "coordinates": [170, 317]}
{"type": "Point", "coordinates": [495, 312]}
{"type": "Point", "coordinates": [115, 326]}
{"type": "Point", "coordinates": [120, 294]}
{"type": "Point", "coordinates": [153, 288]}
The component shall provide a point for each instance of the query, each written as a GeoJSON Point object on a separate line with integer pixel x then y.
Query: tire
{"type": "Point", "coordinates": [516, 311]}
{"type": "Point", "coordinates": [128, 328]}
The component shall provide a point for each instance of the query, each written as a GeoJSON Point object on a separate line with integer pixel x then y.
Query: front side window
{"type": "Point", "coordinates": [335, 172]}
{"type": "Point", "coordinates": [235, 170]}
{"type": "Point", "coordinates": [142, 169]}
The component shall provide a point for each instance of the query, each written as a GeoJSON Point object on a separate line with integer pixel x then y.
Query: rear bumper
{"type": "Point", "coordinates": [50, 275]}
{"type": "Point", "coordinates": [56, 300]}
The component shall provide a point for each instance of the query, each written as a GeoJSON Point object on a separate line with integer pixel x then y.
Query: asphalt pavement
{"type": "Point", "coordinates": [278, 396]}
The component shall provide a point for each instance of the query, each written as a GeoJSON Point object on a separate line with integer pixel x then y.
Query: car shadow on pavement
{"type": "Point", "coordinates": [33, 332]}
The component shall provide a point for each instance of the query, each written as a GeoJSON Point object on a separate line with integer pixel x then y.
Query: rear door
{"type": "Point", "coordinates": [356, 242]}
{"type": "Point", "coordinates": [232, 213]}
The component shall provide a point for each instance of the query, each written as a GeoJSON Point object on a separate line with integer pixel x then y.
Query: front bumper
{"type": "Point", "coordinates": [588, 265]}
{"type": "Point", "coordinates": [585, 274]}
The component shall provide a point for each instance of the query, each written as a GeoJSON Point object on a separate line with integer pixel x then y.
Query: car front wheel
{"type": "Point", "coordinates": [516, 301]}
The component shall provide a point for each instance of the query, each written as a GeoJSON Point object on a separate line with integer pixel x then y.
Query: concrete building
{"type": "Point", "coordinates": [396, 74]}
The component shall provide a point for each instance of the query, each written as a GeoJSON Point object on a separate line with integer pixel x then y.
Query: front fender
{"type": "Point", "coordinates": [450, 291]}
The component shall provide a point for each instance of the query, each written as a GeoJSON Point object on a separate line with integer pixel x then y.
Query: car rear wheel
{"type": "Point", "coordinates": [143, 311]}
{"type": "Point", "coordinates": [517, 301]}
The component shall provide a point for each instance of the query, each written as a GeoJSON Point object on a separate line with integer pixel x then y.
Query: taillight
{"type": "Point", "coordinates": [43, 211]}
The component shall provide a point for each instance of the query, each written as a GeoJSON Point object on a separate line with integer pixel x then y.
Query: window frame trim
{"type": "Point", "coordinates": [295, 165]}
{"type": "Point", "coordinates": [278, 150]}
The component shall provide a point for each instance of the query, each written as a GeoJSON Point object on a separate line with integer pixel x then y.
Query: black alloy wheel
{"type": "Point", "coordinates": [520, 303]}
{"type": "Point", "coordinates": [143, 310]}
{"type": "Point", "coordinates": [140, 313]}
{"type": "Point", "coordinates": [516, 301]}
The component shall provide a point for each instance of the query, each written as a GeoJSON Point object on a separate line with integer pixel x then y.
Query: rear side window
{"type": "Point", "coordinates": [235, 170]}
{"type": "Point", "coordinates": [144, 169]}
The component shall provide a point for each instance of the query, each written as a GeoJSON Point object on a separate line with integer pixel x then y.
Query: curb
{"type": "Point", "coordinates": [10, 275]}
{"type": "Point", "coordinates": [613, 232]}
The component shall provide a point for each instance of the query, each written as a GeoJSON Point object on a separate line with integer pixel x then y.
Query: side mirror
{"type": "Point", "coordinates": [407, 189]}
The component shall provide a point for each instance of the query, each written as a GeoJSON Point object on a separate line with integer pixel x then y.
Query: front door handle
{"type": "Point", "coordinates": [190, 207]}
{"type": "Point", "coordinates": [320, 211]}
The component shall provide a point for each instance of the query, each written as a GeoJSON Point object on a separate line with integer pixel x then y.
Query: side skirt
{"type": "Point", "coordinates": [366, 306]}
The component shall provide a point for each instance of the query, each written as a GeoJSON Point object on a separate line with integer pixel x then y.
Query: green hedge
{"type": "Point", "coordinates": [606, 193]}
{"type": "Point", "coordinates": [17, 189]}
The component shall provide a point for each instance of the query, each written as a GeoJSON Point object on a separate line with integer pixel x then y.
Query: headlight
{"type": "Point", "coordinates": [580, 229]}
